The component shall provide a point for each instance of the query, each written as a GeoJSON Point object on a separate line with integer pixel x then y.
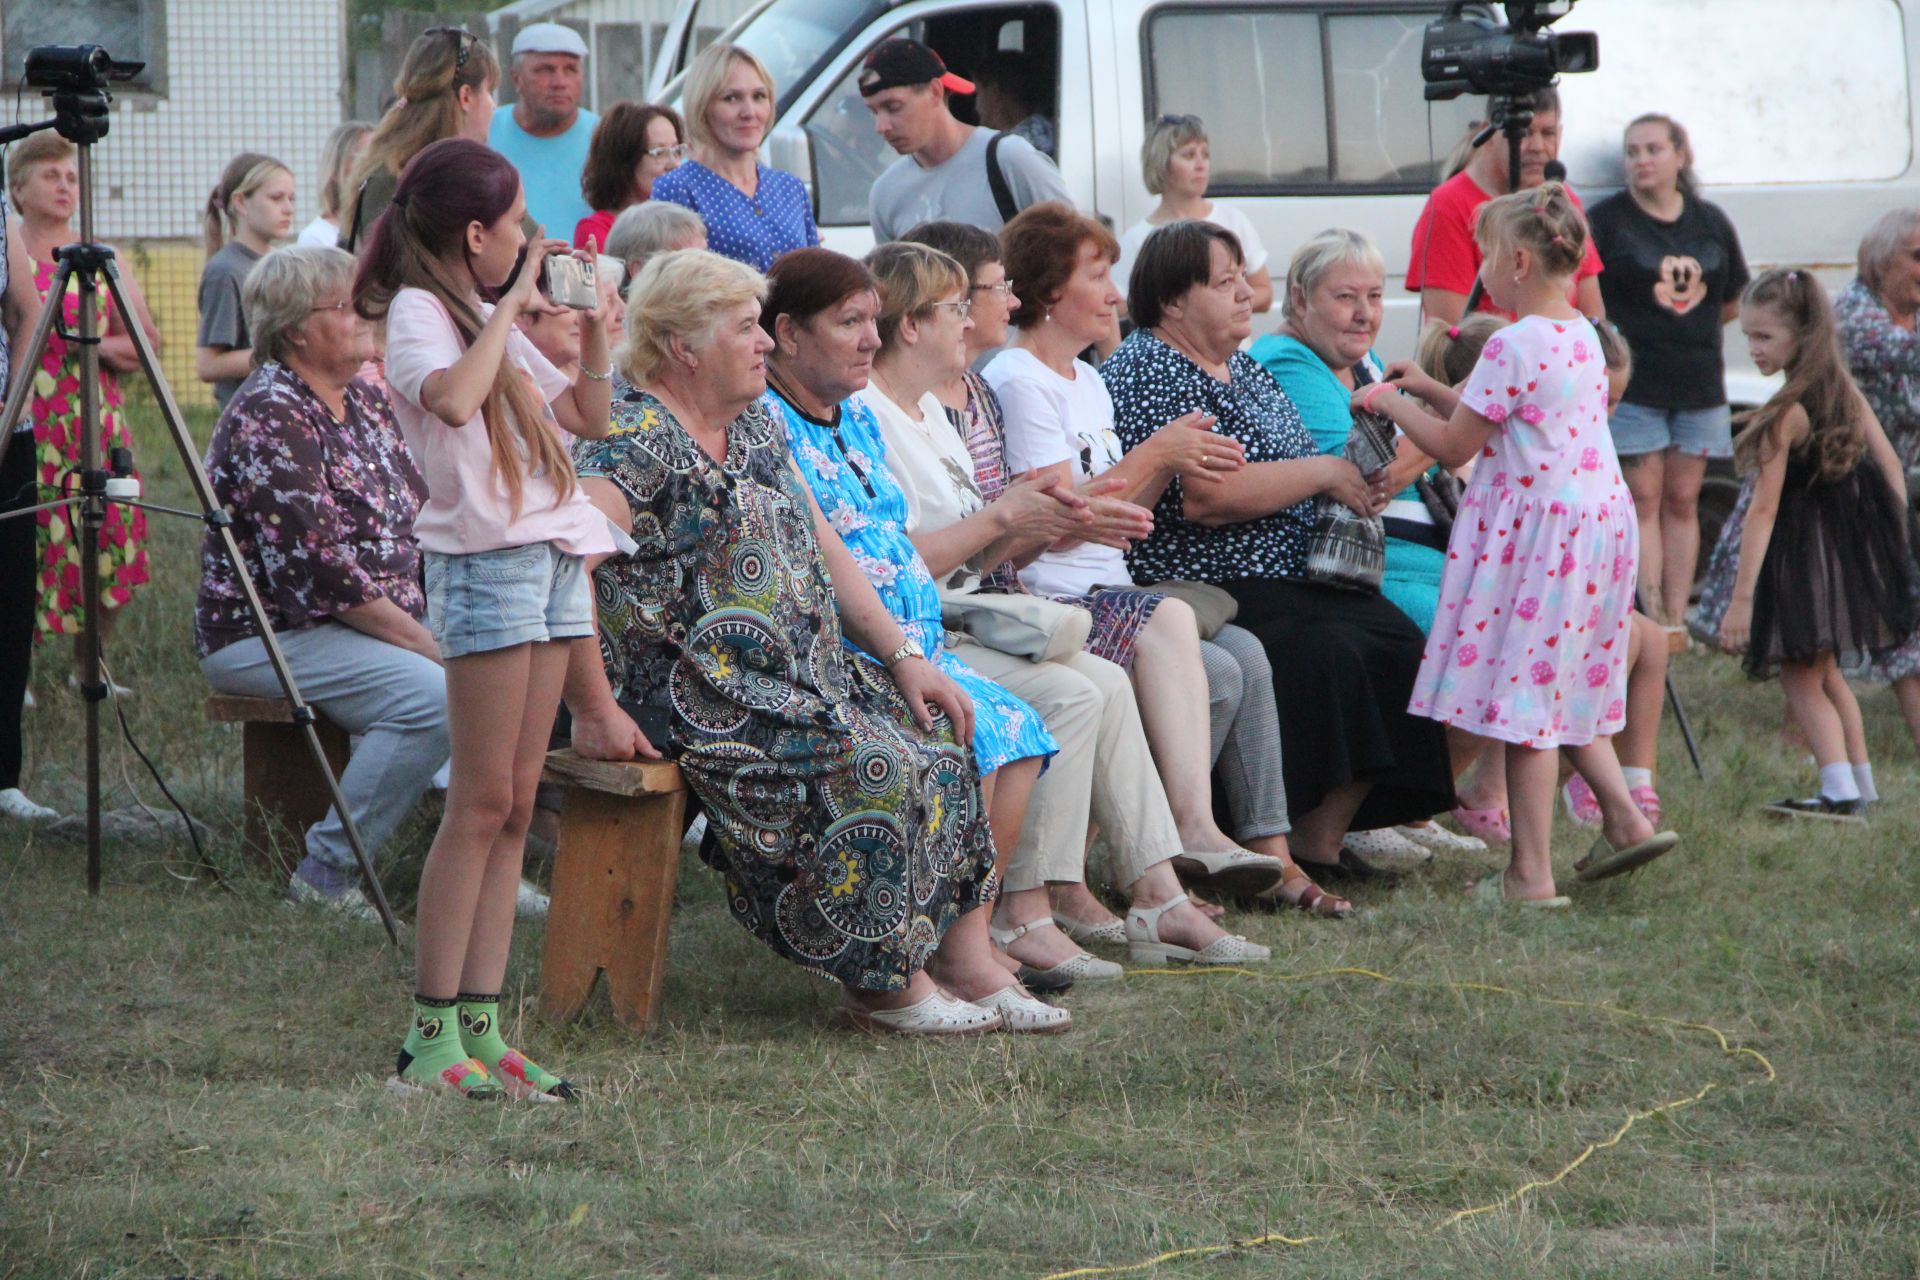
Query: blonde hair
{"type": "Point", "coordinates": [1885, 240]}
{"type": "Point", "coordinates": [707, 77]}
{"type": "Point", "coordinates": [334, 159]}
{"type": "Point", "coordinates": [1164, 137]}
{"type": "Point", "coordinates": [245, 174]}
{"type": "Point", "coordinates": [1544, 221]}
{"type": "Point", "coordinates": [1615, 351]}
{"type": "Point", "coordinates": [279, 293]}
{"type": "Point", "coordinates": [40, 148]}
{"type": "Point", "coordinates": [1448, 352]}
{"type": "Point", "coordinates": [683, 294]}
{"type": "Point", "coordinates": [912, 278]}
{"type": "Point", "coordinates": [1817, 381]}
{"type": "Point", "coordinates": [426, 106]}
{"type": "Point", "coordinates": [1335, 247]}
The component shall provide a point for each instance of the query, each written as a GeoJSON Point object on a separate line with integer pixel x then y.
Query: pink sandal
{"type": "Point", "coordinates": [1486, 824]}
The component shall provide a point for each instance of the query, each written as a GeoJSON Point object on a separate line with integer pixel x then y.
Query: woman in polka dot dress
{"type": "Point", "coordinates": [753, 213]}
{"type": "Point", "coordinates": [1529, 645]}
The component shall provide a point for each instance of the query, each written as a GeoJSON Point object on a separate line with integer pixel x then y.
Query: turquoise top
{"type": "Point", "coordinates": [549, 168]}
{"type": "Point", "coordinates": [1325, 403]}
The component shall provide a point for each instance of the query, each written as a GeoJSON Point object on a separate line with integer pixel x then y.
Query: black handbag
{"type": "Point", "coordinates": [1349, 550]}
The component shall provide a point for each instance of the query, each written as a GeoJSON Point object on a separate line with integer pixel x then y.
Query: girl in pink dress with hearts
{"type": "Point", "coordinates": [1529, 645]}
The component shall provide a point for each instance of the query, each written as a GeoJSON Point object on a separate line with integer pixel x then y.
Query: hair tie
{"type": "Point", "coordinates": [1559, 239]}
{"type": "Point", "coordinates": [399, 102]}
{"type": "Point", "coordinates": [1453, 331]}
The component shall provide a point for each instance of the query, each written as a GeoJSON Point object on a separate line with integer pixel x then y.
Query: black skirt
{"type": "Point", "coordinates": [1343, 669]}
{"type": "Point", "coordinates": [1839, 576]}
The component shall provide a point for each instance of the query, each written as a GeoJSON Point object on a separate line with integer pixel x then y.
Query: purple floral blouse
{"type": "Point", "coordinates": [323, 510]}
{"type": "Point", "coordinates": [1885, 360]}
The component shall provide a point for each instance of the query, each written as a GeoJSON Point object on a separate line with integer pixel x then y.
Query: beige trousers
{"type": "Point", "coordinates": [1103, 772]}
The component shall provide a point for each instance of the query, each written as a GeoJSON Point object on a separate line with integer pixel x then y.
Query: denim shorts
{"type": "Point", "coordinates": [1704, 433]}
{"type": "Point", "coordinates": [497, 599]}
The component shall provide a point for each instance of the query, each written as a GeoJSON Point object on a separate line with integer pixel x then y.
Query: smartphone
{"type": "Point", "coordinates": [569, 282]}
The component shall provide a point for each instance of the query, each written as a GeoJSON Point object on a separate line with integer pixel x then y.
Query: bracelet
{"type": "Point", "coordinates": [1366, 397]}
{"type": "Point", "coordinates": [595, 377]}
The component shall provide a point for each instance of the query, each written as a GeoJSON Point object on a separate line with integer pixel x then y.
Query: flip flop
{"type": "Point", "coordinates": [1605, 861]}
{"type": "Point", "coordinates": [1492, 892]}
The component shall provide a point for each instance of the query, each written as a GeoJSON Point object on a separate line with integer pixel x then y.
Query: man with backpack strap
{"type": "Point", "coordinates": [946, 170]}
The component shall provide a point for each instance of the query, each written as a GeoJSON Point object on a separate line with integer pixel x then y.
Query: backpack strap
{"type": "Point", "coordinates": [997, 180]}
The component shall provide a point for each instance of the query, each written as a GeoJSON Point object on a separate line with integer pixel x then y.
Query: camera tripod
{"type": "Point", "coordinates": [81, 118]}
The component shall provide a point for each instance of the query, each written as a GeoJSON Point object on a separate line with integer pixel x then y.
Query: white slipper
{"type": "Point", "coordinates": [938, 1015]}
{"type": "Point", "coordinates": [1437, 839]}
{"type": "Point", "coordinates": [1022, 1014]}
{"type": "Point", "coordinates": [1239, 872]}
{"type": "Point", "coordinates": [1385, 843]}
{"type": "Point", "coordinates": [15, 804]}
{"type": "Point", "coordinates": [1078, 968]}
{"type": "Point", "coordinates": [1145, 947]}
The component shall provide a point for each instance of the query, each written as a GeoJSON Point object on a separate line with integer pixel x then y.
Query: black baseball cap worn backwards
{"type": "Point", "coordinates": [900, 62]}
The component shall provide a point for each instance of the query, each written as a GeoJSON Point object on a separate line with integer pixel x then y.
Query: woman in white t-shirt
{"type": "Point", "coordinates": [506, 531]}
{"type": "Point", "coordinates": [340, 157]}
{"type": "Point", "coordinates": [1177, 164]}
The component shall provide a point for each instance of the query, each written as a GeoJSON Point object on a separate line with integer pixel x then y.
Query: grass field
{"type": "Point", "coordinates": [189, 1077]}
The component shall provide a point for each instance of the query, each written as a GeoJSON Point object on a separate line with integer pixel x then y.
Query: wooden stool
{"type": "Point", "coordinates": [281, 788]}
{"type": "Point", "coordinates": [613, 876]}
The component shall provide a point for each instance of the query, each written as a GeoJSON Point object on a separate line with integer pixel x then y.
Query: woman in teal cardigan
{"type": "Point", "coordinates": [1332, 309]}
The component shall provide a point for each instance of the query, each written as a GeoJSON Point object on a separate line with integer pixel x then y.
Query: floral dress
{"type": "Point", "coordinates": [845, 464]}
{"type": "Point", "coordinates": [1529, 644]}
{"type": "Point", "coordinates": [849, 838]}
{"type": "Point", "coordinates": [55, 406]}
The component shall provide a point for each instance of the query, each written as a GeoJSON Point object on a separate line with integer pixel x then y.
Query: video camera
{"type": "Point", "coordinates": [76, 76]}
{"type": "Point", "coordinates": [1469, 50]}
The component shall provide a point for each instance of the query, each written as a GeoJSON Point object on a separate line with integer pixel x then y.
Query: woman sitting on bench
{"type": "Point", "coordinates": [842, 797]}
{"type": "Point", "coordinates": [308, 460]}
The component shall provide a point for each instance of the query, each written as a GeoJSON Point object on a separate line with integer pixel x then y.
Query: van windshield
{"type": "Point", "coordinates": [795, 39]}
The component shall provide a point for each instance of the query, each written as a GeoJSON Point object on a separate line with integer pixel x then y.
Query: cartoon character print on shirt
{"type": "Point", "coordinates": [1682, 284]}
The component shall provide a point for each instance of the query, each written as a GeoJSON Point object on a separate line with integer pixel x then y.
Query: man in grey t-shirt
{"type": "Point", "coordinates": [942, 169]}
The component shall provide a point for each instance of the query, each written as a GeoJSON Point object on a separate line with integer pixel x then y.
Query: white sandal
{"type": "Point", "coordinates": [1437, 839]}
{"type": "Point", "coordinates": [1145, 947]}
{"type": "Point", "coordinates": [1022, 1014]}
{"type": "Point", "coordinates": [1238, 872]}
{"type": "Point", "coordinates": [1079, 968]}
{"type": "Point", "coordinates": [1087, 933]}
{"type": "Point", "coordinates": [939, 1014]}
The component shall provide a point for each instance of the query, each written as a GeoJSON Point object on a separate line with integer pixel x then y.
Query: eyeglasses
{"type": "Point", "coordinates": [332, 306]}
{"type": "Point", "coordinates": [962, 308]}
{"type": "Point", "coordinates": [676, 152]}
{"type": "Point", "coordinates": [462, 50]}
{"type": "Point", "coordinates": [1004, 288]}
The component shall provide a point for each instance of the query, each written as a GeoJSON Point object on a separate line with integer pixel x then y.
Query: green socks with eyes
{"type": "Point", "coordinates": [434, 1058]}
{"type": "Point", "coordinates": [520, 1076]}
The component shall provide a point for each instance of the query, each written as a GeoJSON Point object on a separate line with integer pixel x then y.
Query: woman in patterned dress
{"type": "Point", "coordinates": [843, 802]}
{"type": "Point", "coordinates": [44, 184]}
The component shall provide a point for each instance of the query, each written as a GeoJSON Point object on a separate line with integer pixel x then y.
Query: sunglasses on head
{"type": "Point", "coordinates": [462, 50]}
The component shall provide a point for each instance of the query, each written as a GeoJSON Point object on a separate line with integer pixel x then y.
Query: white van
{"type": "Point", "coordinates": [1802, 115]}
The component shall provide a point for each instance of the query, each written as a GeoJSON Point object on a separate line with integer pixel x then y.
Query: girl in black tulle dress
{"type": "Point", "coordinates": [1826, 578]}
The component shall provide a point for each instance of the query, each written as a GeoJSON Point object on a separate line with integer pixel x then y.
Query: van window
{"type": "Point", "coordinates": [793, 38]}
{"type": "Point", "coordinates": [1297, 101]}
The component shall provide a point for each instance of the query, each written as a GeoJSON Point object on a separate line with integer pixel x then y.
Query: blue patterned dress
{"type": "Point", "coordinates": [849, 837]}
{"type": "Point", "coordinates": [845, 464]}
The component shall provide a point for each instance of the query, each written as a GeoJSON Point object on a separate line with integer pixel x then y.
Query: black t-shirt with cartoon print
{"type": "Point", "coordinates": [1664, 286]}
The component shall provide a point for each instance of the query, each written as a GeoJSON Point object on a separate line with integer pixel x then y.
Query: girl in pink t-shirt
{"type": "Point", "coordinates": [1529, 644]}
{"type": "Point", "coordinates": [505, 529]}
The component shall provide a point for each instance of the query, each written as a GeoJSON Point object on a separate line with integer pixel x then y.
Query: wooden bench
{"type": "Point", "coordinates": [282, 791]}
{"type": "Point", "coordinates": [614, 870]}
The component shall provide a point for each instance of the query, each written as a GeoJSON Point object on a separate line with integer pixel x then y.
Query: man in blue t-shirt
{"type": "Point", "coordinates": [545, 131]}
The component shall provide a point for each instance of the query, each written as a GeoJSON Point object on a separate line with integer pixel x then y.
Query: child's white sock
{"type": "Point", "coordinates": [1836, 782]}
{"type": "Point", "coordinates": [1863, 779]}
{"type": "Point", "coordinates": [1637, 777]}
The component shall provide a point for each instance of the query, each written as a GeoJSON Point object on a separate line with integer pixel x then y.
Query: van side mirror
{"type": "Point", "coordinates": [788, 149]}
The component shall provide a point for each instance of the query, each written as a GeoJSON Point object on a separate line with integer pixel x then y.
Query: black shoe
{"type": "Point", "coordinates": [1351, 869]}
{"type": "Point", "coordinates": [1041, 983]}
{"type": "Point", "coordinates": [1824, 807]}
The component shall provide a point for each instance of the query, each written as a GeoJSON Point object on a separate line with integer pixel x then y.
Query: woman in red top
{"type": "Point", "coordinates": [634, 143]}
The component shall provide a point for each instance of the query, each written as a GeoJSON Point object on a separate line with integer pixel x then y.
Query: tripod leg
{"type": "Point", "coordinates": [218, 521]}
{"type": "Point", "coordinates": [1686, 730]}
{"type": "Point", "coordinates": [31, 357]}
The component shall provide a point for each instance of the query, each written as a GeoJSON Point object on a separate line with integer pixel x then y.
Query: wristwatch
{"type": "Point", "coordinates": [910, 649]}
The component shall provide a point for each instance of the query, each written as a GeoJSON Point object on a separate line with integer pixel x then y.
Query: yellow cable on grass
{"type": "Point", "coordinates": [1726, 1048]}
